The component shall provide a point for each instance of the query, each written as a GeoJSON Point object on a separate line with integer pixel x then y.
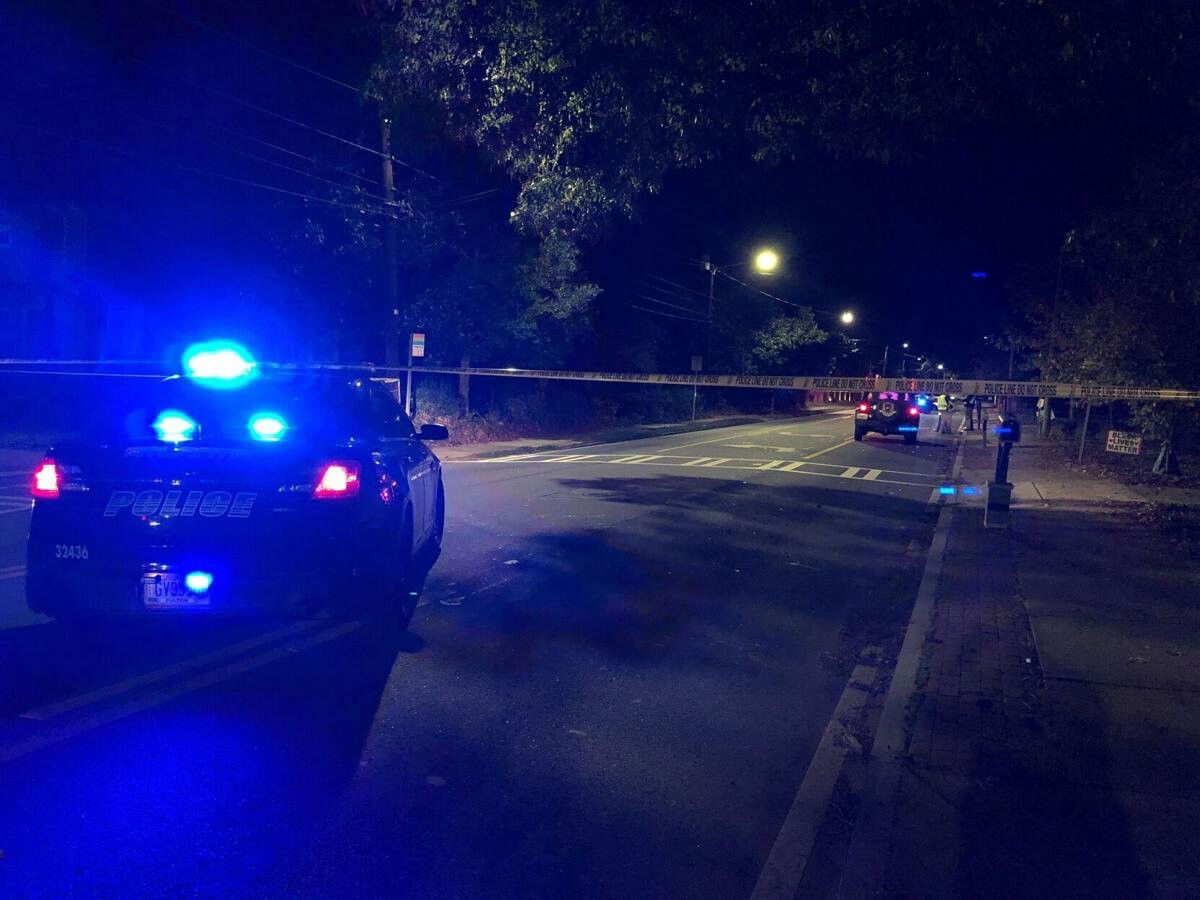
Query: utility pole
{"type": "Point", "coordinates": [712, 278]}
{"type": "Point", "coordinates": [391, 337]}
{"type": "Point", "coordinates": [883, 370]}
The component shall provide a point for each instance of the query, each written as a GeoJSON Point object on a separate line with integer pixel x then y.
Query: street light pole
{"type": "Point", "coordinates": [883, 371]}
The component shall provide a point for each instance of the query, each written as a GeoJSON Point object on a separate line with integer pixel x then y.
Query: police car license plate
{"type": "Point", "coordinates": [166, 590]}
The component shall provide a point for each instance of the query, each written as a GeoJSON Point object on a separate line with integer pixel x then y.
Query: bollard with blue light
{"type": "Point", "coordinates": [999, 491]}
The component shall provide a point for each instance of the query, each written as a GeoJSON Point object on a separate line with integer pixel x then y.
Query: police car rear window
{"type": "Point", "coordinates": [313, 409]}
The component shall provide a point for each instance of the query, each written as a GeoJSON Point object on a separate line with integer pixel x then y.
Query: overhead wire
{"type": "Point", "coordinates": [757, 290]}
{"type": "Point", "coordinates": [672, 294]}
{"type": "Point", "coordinates": [208, 172]}
{"type": "Point", "coordinates": [284, 118]}
{"type": "Point", "coordinates": [659, 312]}
{"type": "Point", "coordinates": [683, 287]}
{"type": "Point", "coordinates": [671, 305]}
{"type": "Point", "coordinates": [204, 26]}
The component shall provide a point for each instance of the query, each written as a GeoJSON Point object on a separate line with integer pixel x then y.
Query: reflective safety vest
{"type": "Point", "coordinates": [942, 403]}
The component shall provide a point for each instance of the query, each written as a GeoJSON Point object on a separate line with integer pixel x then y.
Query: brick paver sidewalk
{"type": "Point", "coordinates": [1013, 780]}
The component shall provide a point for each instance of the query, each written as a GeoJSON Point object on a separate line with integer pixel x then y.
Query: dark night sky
{"type": "Point", "coordinates": [901, 240]}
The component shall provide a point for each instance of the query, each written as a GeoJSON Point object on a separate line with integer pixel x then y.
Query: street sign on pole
{"type": "Point", "coordinates": [416, 348]}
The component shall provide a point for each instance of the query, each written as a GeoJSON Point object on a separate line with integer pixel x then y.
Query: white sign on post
{"type": "Point", "coordinates": [418, 344]}
{"type": "Point", "coordinates": [1124, 442]}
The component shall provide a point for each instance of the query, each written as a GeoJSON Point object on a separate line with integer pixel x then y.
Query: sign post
{"type": "Point", "coordinates": [697, 365]}
{"type": "Point", "coordinates": [416, 349]}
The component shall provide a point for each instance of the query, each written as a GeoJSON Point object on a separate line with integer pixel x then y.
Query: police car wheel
{"type": "Point", "coordinates": [396, 602]}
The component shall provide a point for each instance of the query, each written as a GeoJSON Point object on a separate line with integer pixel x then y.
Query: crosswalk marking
{"type": "Point", "coordinates": [873, 474]}
{"type": "Point", "coordinates": [572, 458]}
{"type": "Point", "coordinates": [636, 460]}
{"type": "Point", "coordinates": [716, 462]}
{"type": "Point", "coordinates": [699, 460]}
{"type": "Point", "coordinates": [771, 465]}
{"type": "Point", "coordinates": [851, 471]}
{"type": "Point", "coordinates": [792, 466]}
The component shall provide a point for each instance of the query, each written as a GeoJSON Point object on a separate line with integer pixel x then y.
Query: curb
{"type": "Point", "coordinates": [867, 855]}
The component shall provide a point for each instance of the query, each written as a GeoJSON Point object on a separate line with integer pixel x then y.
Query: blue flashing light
{"type": "Point", "coordinates": [174, 426]}
{"type": "Point", "coordinates": [267, 426]}
{"type": "Point", "coordinates": [947, 489]}
{"type": "Point", "coordinates": [908, 428]}
{"type": "Point", "coordinates": [219, 364]}
{"type": "Point", "coordinates": [198, 582]}
{"type": "Point", "coordinates": [970, 490]}
{"type": "Point", "coordinates": [979, 275]}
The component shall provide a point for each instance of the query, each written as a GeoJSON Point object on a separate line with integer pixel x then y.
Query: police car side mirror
{"type": "Point", "coordinates": [431, 432]}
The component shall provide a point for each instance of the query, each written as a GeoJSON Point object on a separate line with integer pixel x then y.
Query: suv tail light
{"type": "Point", "coordinates": [863, 407]}
{"type": "Point", "coordinates": [913, 411]}
{"type": "Point", "coordinates": [46, 480]}
{"type": "Point", "coordinates": [337, 479]}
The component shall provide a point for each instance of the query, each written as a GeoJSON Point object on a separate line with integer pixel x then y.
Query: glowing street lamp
{"type": "Point", "coordinates": [940, 367]}
{"type": "Point", "coordinates": [905, 345]}
{"type": "Point", "coordinates": [766, 261]}
{"type": "Point", "coordinates": [847, 318]}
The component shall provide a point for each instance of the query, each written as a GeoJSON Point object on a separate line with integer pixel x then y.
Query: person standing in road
{"type": "Point", "coordinates": [942, 402]}
{"type": "Point", "coordinates": [968, 420]}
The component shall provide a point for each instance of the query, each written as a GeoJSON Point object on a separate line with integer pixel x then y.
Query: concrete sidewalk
{"type": "Point", "coordinates": [1049, 740]}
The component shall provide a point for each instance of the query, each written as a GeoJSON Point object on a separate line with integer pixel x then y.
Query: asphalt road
{"type": "Point", "coordinates": [622, 664]}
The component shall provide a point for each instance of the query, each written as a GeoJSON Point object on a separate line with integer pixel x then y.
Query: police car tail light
{"type": "Point", "coordinates": [863, 407]}
{"type": "Point", "coordinates": [913, 411]}
{"type": "Point", "coordinates": [338, 479]}
{"type": "Point", "coordinates": [46, 480]}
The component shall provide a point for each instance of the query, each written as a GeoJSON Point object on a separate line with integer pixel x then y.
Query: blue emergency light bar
{"type": "Point", "coordinates": [174, 426]}
{"type": "Point", "coordinates": [219, 364]}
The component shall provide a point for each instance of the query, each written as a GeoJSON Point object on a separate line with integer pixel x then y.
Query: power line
{"type": "Point", "coordinates": [751, 287]}
{"type": "Point", "coordinates": [671, 305]}
{"type": "Point", "coordinates": [658, 312]}
{"type": "Point", "coordinates": [288, 119]}
{"type": "Point", "coordinates": [683, 287]}
{"type": "Point", "coordinates": [361, 208]}
{"type": "Point", "coordinates": [249, 155]}
{"type": "Point", "coordinates": [681, 297]}
{"type": "Point", "coordinates": [204, 26]}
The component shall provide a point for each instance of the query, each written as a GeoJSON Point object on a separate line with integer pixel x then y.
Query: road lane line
{"type": "Point", "coordinates": [716, 462]}
{"type": "Point", "coordinates": [9, 576]}
{"type": "Point", "coordinates": [207, 679]}
{"type": "Point", "coordinates": [781, 875]}
{"type": "Point", "coordinates": [698, 461]}
{"type": "Point", "coordinates": [635, 460]}
{"type": "Point", "coordinates": [792, 466]}
{"type": "Point", "coordinates": [829, 449]}
{"type": "Point", "coordinates": [850, 472]}
{"type": "Point", "coordinates": [575, 457]}
{"type": "Point", "coordinates": [16, 509]}
{"type": "Point", "coordinates": [770, 465]}
{"type": "Point", "coordinates": [50, 710]}
{"type": "Point", "coordinates": [873, 474]}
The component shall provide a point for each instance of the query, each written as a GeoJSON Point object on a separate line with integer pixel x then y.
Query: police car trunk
{"type": "Point", "coordinates": [202, 500]}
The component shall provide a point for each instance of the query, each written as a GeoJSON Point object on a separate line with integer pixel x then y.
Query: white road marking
{"type": "Point", "coordinates": [698, 461]}
{"type": "Point", "coordinates": [873, 474]}
{"type": "Point", "coordinates": [793, 466]}
{"type": "Point", "coordinates": [59, 707]}
{"type": "Point", "coordinates": [207, 679]}
{"type": "Point", "coordinates": [16, 573]}
{"type": "Point", "coordinates": [636, 460]}
{"type": "Point", "coordinates": [16, 509]}
{"type": "Point", "coordinates": [771, 465]}
{"type": "Point", "coordinates": [716, 462]}
{"type": "Point", "coordinates": [572, 458]}
{"type": "Point", "coordinates": [850, 472]}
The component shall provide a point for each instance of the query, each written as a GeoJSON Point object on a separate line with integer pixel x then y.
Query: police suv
{"type": "Point", "coordinates": [232, 490]}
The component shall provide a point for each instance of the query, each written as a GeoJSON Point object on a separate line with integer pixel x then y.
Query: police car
{"type": "Point", "coordinates": [229, 490]}
{"type": "Point", "coordinates": [888, 412]}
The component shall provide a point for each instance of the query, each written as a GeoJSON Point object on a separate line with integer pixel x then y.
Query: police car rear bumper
{"type": "Point", "coordinates": [92, 591]}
